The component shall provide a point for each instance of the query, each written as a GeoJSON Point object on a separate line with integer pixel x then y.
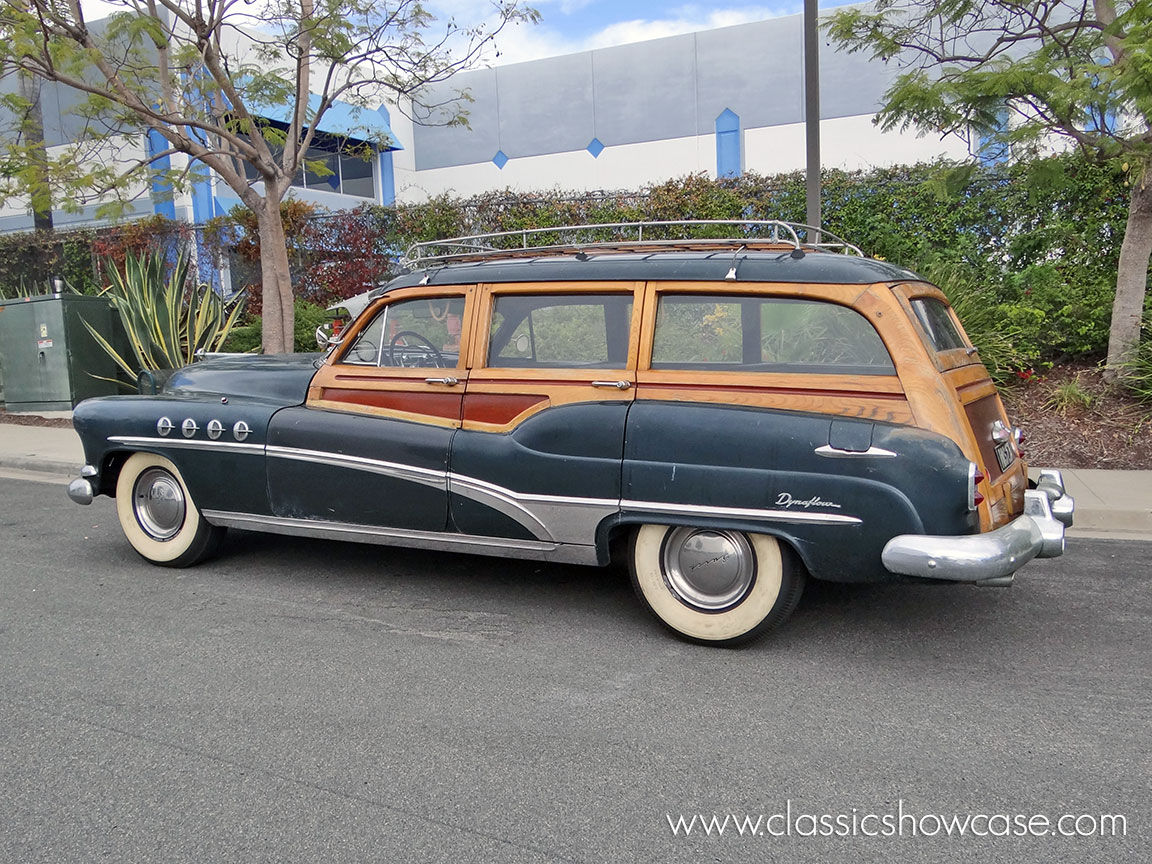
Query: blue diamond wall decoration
{"type": "Point", "coordinates": [595, 148]}
{"type": "Point", "coordinates": [500, 159]}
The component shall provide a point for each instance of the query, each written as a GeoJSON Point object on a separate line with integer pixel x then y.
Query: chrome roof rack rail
{"type": "Point", "coordinates": [625, 237]}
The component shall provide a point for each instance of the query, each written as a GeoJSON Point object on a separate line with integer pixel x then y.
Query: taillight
{"type": "Point", "coordinates": [975, 478]}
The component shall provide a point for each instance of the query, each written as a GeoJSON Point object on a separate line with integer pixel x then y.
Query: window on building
{"type": "Point", "coordinates": [333, 164]}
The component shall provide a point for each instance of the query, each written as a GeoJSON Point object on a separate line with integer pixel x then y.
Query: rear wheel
{"type": "Point", "coordinates": [158, 515]}
{"type": "Point", "coordinates": [714, 586]}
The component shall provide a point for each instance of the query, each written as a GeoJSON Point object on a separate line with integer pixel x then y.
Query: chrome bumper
{"type": "Point", "coordinates": [81, 490]}
{"type": "Point", "coordinates": [991, 558]}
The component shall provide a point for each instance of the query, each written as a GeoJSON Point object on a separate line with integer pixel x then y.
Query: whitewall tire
{"type": "Point", "coordinates": [158, 516]}
{"type": "Point", "coordinates": [714, 586]}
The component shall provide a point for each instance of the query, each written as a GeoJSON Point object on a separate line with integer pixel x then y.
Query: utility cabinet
{"type": "Point", "coordinates": [50, 361]}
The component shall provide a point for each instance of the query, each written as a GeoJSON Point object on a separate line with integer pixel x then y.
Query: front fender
{"type": "Point", "coordinates": [217, 443]}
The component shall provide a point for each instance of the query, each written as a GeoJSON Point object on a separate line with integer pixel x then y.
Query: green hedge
{"type": "Point", "coordinates": [1033, 246]}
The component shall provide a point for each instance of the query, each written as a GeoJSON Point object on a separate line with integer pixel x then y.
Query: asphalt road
{"type": "Point", "coordinates": [308, 701]}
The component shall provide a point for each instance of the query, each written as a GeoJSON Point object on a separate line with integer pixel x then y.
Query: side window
{"type": "Point", "coordinates": [416, 334]}
{"type": "Point", "coordinates": [943, 335]}
{"type": "Point", "coordinates": [765, 334]}
{"type": "Point", "coordinates": [560, 331]}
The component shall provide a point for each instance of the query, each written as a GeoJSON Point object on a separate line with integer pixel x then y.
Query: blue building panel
{"type": "Point", "coordinates": [163, 204]}
{"type": "Point", "coordinates": [728, 157]}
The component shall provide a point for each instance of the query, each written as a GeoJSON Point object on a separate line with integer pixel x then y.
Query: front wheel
{"type": "Point", "coordinates": [714, 586]}
{"type": "Point", "coordinates": [158, 515]}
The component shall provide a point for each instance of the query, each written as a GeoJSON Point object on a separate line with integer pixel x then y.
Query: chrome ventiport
{"type": "Point", "coordinates": [164, 426]}
{"type": "Point", "coordinates": [189, 428]}
{"type": "Point", "coordinates": [241, 430]}
{"type": "Point", "coordinates": [215, 429]}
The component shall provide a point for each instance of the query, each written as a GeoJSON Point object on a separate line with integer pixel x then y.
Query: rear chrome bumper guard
{"type": "Point", "coordinates": [990, 559]}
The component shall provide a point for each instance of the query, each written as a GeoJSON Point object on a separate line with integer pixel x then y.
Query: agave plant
{"type": "Point", "coordinates": [167, 318]}
{"type": "Point", "coordinates": [45, 288]}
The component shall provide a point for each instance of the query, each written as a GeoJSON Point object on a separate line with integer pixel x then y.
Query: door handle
{"type": "Point", "coordinates": [617, 385]}
{"type": "Point", "coordinates": [447, 382]}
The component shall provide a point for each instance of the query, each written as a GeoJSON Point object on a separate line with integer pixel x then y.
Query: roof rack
{"type": "Point", "coordinates": [626, 237]}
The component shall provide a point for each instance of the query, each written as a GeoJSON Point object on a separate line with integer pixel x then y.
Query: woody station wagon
{"type": "Point", "coordinates": [733, 416]}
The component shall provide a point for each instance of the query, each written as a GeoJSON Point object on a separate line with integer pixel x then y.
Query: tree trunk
{"type": "Point", "coordinates": [279, 312]}
{"type": "Point", "coordinates": [1131, 281]}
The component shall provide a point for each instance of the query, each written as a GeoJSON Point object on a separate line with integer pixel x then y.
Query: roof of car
{"type": "Point", "coordinates": [736, 266]}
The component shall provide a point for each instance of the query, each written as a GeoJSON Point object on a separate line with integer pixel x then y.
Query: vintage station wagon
{"type": "Point", "coordinates": [731, 415]}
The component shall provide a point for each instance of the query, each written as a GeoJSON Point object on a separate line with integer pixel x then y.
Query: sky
{"type": "Point", "coordinates": [568, 26]}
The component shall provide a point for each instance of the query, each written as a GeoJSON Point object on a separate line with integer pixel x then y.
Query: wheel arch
{"type": "Point", "coordinates": [615, 531]}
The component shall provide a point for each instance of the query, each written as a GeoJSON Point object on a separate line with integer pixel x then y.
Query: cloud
{"type": "Point", "coordinates": [526, 42]}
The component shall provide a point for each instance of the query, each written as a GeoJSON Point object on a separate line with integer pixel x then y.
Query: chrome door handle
{"type": "Point", "coordinates": [448, 382]}
{"type": "Point", "coordinates": [617, 385]}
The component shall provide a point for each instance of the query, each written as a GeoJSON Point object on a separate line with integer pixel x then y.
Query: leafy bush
{"type": "Point", "coordinates": [248, 337]}
{"type": "Point", "coordinates": [1037, 243]}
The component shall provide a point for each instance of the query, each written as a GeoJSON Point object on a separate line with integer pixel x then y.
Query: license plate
{"type": "Point", "coordinates": [1005, 455]}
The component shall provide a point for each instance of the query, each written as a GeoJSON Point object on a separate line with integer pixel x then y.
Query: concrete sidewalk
{"type": "Point", "coordinates": [1116, 504]}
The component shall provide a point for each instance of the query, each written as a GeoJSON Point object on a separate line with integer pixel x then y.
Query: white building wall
{"type": "Point", "coordinates": [848, 143]}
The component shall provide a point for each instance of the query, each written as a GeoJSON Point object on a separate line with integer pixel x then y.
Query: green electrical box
{"type": "Point", "coordinates": [49, 359]}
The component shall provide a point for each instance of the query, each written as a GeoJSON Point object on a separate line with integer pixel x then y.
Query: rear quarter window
{"type": "Point", "coordinates": [765, 334]}
{"type": "Point", "coordinates": [939, 326]}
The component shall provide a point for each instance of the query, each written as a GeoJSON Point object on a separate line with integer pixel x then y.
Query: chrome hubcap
{"type": "Point", "coordinates": [159, 504]}
{"type": "Point", "coordinates": [708, 570]}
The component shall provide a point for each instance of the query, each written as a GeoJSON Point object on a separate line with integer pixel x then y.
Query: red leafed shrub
{"type": "Point", "coordinates": [112, 245]}
{"type": "Point", "coordinates": [331, 255]}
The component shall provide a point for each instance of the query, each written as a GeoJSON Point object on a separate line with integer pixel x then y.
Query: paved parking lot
{"type": "Point", "coordinates": [313, 701]}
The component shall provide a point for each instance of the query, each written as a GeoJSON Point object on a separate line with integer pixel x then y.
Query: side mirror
{"type": "Point", "coordinates": [325, 338]}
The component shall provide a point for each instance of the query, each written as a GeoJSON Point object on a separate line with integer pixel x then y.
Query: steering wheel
{"type": "Point", "coordinates": [427, 347]}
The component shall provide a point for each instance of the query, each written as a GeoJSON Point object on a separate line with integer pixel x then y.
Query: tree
{"type": "Point", "coordinates": [203, 73]}
{"type": "Point", "coordinates": [1028, 74]}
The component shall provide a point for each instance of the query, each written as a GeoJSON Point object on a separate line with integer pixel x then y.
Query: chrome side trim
{"type": "Point", "coordinates": [559, 518]}
{"type": "Point", "coordinates": [740, 513]}
{"type": "Point", "coordinates": [438, 540]}
{"type": "Point", "coordinates": [553, 519]}
{"type": "Point", "coordinates": [140, 441]}
{"type": "Point", "coordinates": [423, 476]}
{"type": "Point", "coordinates": [499, 499]}
{"type": "Point", "coordinates": [836, 453]}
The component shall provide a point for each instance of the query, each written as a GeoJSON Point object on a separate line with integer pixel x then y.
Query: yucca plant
{"type": "Point", "coordinates": [167, 317]}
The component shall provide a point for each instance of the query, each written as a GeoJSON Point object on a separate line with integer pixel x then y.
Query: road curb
{"type": "Point", "coordinates": [40, 466]}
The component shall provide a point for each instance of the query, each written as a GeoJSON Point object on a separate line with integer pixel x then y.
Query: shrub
{"type": "Point", "coordinates": [309, 316]}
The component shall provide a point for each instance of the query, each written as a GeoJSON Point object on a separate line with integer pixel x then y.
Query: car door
{"type": "Point", "coordinates": [539, 451]}
{"type": "Point", "coordinates": [370, 446]}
